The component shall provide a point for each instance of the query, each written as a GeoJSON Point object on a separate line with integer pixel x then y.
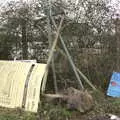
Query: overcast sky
{"type": "Point", "coordinates": [116, 3]}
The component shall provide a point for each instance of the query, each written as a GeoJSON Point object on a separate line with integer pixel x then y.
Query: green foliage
{"type": "Point", "coordinates": [80, 34]}
{"type": "Point", "coordinates": [16, 114]}
{"type": "Point", "coordinates": [54, 112]}
{"type": "Point", "coordinates": [8, 117]}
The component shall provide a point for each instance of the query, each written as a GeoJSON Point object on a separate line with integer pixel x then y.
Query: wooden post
{"type": "Point", "coordinates": [86, 79]}
{"type": "Point", "coordinates": [69, 58]}
{"type": "Point", "coordinates": [52, 53]}
{"type": "Point", "coordinates": [81, 74]}
{"type": "Point", "coordinates": [50, 45]}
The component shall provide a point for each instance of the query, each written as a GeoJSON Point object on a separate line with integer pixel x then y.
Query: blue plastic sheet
{"type": "Point", "coordinates": [114, 85]}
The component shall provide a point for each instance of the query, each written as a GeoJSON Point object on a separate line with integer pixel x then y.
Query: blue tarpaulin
{"type": "Point", "coordinates": [114, 85]}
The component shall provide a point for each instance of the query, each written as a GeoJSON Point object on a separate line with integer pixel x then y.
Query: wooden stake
{"type": "Point", "coordinates": [50, 45]}
{"type": "Point", "coordinates": [54, 76]}
{"type": "Point", "coordinates": [52, 52]}
{"type": "Point", "coordinates": [86, 79]}
{"type": "Point", "coordinates": [81, 74]}
{"type": "Point", "coordinates": [69, 58]}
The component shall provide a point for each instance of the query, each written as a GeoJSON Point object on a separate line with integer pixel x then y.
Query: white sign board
{"type": "Point", "coordinates": [13, 79]}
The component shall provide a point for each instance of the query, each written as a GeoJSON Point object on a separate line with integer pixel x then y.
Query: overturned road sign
{"type": "Point", "coordinates": [20, 84]}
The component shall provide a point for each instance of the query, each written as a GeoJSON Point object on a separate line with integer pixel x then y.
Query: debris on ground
{"type": "Point", "coordinates": [106, 117]}
{"type": "Point", "coordinates": [79, 100]}
{"type": "Point", "coordinates": [75, 99]}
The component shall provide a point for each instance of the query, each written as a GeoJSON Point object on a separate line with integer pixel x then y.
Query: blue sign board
{"type": "Point", "coordinates": [114, 85]}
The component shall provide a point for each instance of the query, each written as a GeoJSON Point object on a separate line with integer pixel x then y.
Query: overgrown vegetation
{"type": "Point", "coordinates": [91, 33]}
{"type": "Point", "coordinates": [51, 111]}
{"type": "Point", "coordinates": [16, 114]}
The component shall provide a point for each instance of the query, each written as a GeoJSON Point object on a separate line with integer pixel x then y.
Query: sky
{"type": "Point", "coordinates": [116, 4]}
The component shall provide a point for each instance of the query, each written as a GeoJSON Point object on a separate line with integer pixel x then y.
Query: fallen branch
{"type": "Point", "coordinates": [54, 96]}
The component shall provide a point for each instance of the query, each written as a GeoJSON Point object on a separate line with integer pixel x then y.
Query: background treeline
{"type": "Point", "coordinates": [90, 30]}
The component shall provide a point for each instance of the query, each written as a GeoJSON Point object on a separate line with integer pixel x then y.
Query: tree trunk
{"type": "Point", "coordinates": [24, 41]}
